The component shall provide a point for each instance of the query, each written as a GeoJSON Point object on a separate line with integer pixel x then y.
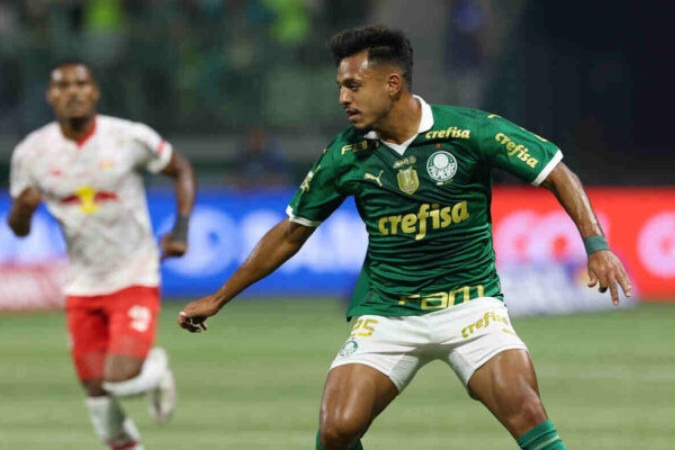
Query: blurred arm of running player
{"type": "Point", "coordinates": [175, 242]}
{"type": "Point", "coordinates": [22, 210]}
{"type": "Point", "coordinates": [603, 266]}
{"type": "Point", "coordinates": [276, 247]}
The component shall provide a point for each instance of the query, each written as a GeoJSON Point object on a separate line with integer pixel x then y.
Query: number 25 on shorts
{"type": "Point", "coordinates": [364, 328]}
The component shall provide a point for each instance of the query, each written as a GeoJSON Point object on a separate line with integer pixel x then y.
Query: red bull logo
{"type": "Point", "coordinates": [89, 199]}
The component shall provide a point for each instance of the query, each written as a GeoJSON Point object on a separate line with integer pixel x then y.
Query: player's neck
{"type": "Point", "coordinates": [78, 129]}
{"type": "Point", "coordinates": [402, 122]}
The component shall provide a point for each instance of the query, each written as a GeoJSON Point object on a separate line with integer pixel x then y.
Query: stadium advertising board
{"type": "Point", "coordinates": [540, 256]}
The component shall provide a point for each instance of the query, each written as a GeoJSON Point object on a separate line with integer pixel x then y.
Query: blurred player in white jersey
{"type": "Point", "coordinates": [88, 170]}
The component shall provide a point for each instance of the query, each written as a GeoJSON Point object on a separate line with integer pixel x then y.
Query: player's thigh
{"type": "Point", "coordinates": [89, 336]}
{"type": "Point", "coordinates": [354, 394]}
{"type": "Point", "coordinates": [378, 360]}
{"type": "Point", "coordinates": [394, 346]}
{"type": "Point", "coordinates": [493, 363]}
{"type": "Point", "coordinates": [473, 333]}
{"type": "Point", "coordinates": [507, 385]}
{"type": "Point", "coordinates": [133, 316]}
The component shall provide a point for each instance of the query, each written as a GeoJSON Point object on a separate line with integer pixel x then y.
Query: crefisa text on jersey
{"type": "Point", "coordinates": [512, 148]}
{"type": "Point", "coordinates": [417, 223]}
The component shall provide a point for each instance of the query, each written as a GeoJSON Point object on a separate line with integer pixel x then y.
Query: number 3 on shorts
{"type": "Point", "coordinates": [140, 318]}
{"type": "Point", "coordinates": [364, 327]}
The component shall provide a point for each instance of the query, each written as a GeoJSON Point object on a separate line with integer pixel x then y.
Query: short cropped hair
{"type": "Point", "coordinates": [384, 45]}
{"type": "Point", "coordinates": [72, 62]}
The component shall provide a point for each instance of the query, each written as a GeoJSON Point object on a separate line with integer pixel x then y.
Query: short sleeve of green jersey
{"type": "Point", "coordinates": [516, 150]}
{"type": "Point", "coordinates": [318, 195]}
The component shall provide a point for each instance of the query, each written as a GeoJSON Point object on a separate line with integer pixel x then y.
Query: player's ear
{"type": "Point", "coordinates": [49, 96]}
{"type": "Point", "coordinates": [394, 84]}
{"type": "Point", "coordinates": [96, 93]}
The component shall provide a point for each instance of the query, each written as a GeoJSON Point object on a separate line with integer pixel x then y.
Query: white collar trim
{"type": "Point", "coordinates": [426, 122]}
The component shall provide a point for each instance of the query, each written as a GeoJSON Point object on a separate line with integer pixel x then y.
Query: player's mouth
{"type": "Point", "coordinates": [75, 106]}
{"type": "Point", "coordinates": [74, 103]}
{"type": "Point", "coordinates": [353, 115]}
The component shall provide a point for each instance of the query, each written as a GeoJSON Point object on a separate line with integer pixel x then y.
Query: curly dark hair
{"type": "Point", "coordinates": [384, 45]}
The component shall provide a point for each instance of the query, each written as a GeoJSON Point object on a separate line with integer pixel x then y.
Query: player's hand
{"type": "Point", "coordinates": [171, 247]}
{"type": "Point", "coordinates": [30, 198]}
{"type": "Point", "coordinates": [605, 270]}
{"type": "Point", "coordinates": [193, 316]}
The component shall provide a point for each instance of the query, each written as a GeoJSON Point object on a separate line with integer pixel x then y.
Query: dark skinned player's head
{"type": "Point", "coordinates": [73, 92]}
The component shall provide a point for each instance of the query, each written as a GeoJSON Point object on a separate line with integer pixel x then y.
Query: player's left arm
{"type": "Point", "coordinates": [604, 268]}
{"type": "Point", "coordinates": [175, 243]}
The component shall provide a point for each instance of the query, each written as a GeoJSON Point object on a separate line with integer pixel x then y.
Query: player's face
{"type": "Point", "coordinates": [72, 92]}
{"type": "Point", "coordinates": [364, 91]}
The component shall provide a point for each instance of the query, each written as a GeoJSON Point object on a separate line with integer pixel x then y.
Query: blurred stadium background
{"type": "Point", "coordinates": [245, 88]}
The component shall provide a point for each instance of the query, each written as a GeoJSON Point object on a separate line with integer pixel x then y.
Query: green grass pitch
{"type": "Point", "coordinates": [254, 381]}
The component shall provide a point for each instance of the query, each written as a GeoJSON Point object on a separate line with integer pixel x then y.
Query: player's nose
{"type": "Point", "coordinates": [345, 98]}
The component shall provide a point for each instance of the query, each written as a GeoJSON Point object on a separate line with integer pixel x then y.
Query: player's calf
{"type": "Point", "coordinates": [321, 446]}
{"type": "Point", "coordinates": [339, 436]}
{"type": "Point", "coordinates": [115, 430]}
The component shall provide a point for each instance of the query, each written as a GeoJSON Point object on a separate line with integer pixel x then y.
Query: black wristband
{"type": "Point", "coordinates": [180, 229]}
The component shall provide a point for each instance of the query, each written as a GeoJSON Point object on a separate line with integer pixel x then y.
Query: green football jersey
{"type": "Point", "coordinates": [426, 211]}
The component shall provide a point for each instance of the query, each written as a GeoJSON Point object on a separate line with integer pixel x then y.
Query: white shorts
{"type": "Point", "coordinates": [465, 337]}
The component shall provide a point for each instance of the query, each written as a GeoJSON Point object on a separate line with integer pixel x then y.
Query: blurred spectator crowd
{"type": "Point", "coordinates": [193, 66]}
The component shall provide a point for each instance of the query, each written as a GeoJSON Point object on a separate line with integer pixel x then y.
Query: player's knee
{"type": "Point", "coordinates": [337, 433]}
{"type": "Point", "coordinates": [120, 368]}
{"type": "Point", "coordinates": [118, 374]}
{"type": "Point", "coordinates": [94, 387]}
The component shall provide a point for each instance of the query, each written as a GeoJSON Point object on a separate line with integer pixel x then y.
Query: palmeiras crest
{"type": "Point", "coordinates": [441, 166]}
{"type": "Point", "coordinates": [348, 349]}
{"type": "Point", "coordinates": [408, 181]}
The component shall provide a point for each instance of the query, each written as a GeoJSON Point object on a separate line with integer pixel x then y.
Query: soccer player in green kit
{"type": "Point", "coordinates": [420, 175]}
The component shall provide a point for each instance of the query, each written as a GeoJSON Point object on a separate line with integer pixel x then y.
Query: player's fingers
{"type": "Point", "coordinates": [603, 282]}
{"type": "Point", "coordinates": [192, 324]}
{"type": "Point", "coordinates": [185, 322]}
{"type": "Point", "coordinates": [614, 292]}
{"type": "Point", "coordinates": [172, 249]}
{"type": "Point", "coordinates": [593, 279]}
{"type": "Point", "coordinates": [625, 284]}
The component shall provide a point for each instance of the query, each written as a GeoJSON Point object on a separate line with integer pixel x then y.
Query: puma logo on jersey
{"type": "Point", "coordinates": [370, 176]}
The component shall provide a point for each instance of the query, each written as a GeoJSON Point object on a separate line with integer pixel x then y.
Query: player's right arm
{"type": "Point", "coordinates": [279, 244]}
{"type": "Point", "coordinates": [315, 200]}
{"type": "Point", "coordinates": [25, 195]}
{"type": "Point", "coordinates": [22, 210]}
